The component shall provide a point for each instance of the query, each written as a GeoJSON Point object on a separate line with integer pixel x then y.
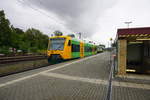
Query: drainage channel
{"type": "Point", "coordinates": [109, 87]}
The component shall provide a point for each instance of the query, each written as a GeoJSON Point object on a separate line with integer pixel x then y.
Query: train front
{"type": "Point", "coordinates": [58, 48]}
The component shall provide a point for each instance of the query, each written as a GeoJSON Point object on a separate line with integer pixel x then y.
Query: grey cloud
{"type": "Point", "coordinates": [79, 15]}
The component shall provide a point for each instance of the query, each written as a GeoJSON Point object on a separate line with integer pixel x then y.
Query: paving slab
{"type": "Point", "coordinates": [127, 93]}
{"type": "Point", "coordinates": [97, 67]}
{"type": "Point", "coordinates": [83, 79]}
{"type": "Point", "coordinates": [49, 88]}
{"type": "Point", "coordinates": [131, 88]}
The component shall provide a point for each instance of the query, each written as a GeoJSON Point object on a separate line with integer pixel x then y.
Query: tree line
{"type": "Point", "coordinates": [16, 40]}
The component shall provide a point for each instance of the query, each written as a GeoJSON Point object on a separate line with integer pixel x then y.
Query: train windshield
{"type": "Point", "coordinates": [57, 44]}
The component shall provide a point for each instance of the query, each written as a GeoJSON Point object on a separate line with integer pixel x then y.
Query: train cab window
{"type": "Point", "coordinates": [56, 44]}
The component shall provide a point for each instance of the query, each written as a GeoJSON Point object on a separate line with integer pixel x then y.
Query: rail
{"type": "Point", "coordinates": [6, 60]}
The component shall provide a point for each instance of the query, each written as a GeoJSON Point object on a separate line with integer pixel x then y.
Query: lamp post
{"type": "Point", "coordinates": [128, 23]}
{"type": "Point", "coordinates": [111, 42]}
{"type": "Point", "coordinates": [110, 48]}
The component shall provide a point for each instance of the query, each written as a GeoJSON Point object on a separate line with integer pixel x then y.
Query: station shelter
{"type": "Point", "coordinates": [133, 50]}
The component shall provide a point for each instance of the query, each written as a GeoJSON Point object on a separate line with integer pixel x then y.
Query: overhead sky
{"type": "Point", "coordinates": [97, 20]}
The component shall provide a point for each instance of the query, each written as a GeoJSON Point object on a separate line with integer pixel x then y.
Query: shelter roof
{"type": "Point", "coordinates": [134, 33]}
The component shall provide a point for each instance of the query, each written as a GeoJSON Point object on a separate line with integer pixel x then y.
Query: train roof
{"type": "Point", "coordinates": [74, 39]}
{"type": "Point", "coordinates": [59, 36]}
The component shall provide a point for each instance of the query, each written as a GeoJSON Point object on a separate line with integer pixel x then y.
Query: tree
{"type": "Point", "coordinates": [18, 39]}
{"type": "Point", "coordinates": [5, 34]}
{"type": "Point", "coordinates": [5, 30]}
{"type": "Point", "coordinates": [37, 40]}
{"type": "Point", "coordinates": [10, 37]}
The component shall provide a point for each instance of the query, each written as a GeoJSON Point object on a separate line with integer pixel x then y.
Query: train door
{"type": "Point", "coordinates": [81, 49]}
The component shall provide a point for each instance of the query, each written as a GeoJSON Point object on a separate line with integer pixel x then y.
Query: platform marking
{"type": "Point", "coordinates": [131, 85]}
{"type": "Point", "coordinates": [75, 78]}
{"type": "Point", "coordinates": [80, 60]}
{"type": "Point", "coordinates": [30, 76]}
{"type": "Point", "coordinates": [131, 76]}
{"type": "Point", "coordinates": [17, 80]}
{"type": "Point", "coordinates": [97, 81]}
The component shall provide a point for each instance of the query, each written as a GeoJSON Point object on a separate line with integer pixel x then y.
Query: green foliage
{"type": "Point", "coordinates": [36, 40]}
{"type": "Point", "coordinates": [30, 41]}
{"type": "Point", "coordinates": [4, 50]}
{"type": "Point", "coordinates": [5, 30]}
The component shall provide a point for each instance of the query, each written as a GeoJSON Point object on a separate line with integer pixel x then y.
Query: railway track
{"type": "Point", "coordinates": [6, 60]}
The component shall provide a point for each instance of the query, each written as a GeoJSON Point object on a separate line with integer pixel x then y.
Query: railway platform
{"type": "Point", "coordinates": [79, 79]}
{"type": "Point", "coordinates": [131, 87]}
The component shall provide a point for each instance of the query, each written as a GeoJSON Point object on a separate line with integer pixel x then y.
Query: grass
{"type": "Point", "coordinates": [21, 66]}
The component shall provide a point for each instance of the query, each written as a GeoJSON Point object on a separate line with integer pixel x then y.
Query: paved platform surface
{"type": "Point", "coordinates": [80, 79]}
{"type": "Point", "coordinates": [126, 93]}
{"type": "Point", "coordinates": [130, 89]}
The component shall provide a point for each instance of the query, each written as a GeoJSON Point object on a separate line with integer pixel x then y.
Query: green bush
{"type": "Point", "coordinates": [5, 50]}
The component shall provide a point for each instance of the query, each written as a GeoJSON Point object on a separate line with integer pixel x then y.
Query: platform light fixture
{"type": "Point", "coordinates": [128, 23]}
{"type": "Point", "coordinates": [135, 42]}
{"type": "Point", "coordinates": [143, 39]}
{"type": "Point", "coordinates": [130, 70]}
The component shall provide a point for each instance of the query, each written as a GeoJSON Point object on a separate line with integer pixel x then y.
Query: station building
{"type": "Point", "coordinates": [133, 50]}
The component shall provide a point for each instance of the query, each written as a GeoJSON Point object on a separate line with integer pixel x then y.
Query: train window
{"type": "Point", "coordinates": [57, 43]}
{"type": "Point", "coordinates": [75, 48]}
{"type": "Point", "coordinates": [87, 49]}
